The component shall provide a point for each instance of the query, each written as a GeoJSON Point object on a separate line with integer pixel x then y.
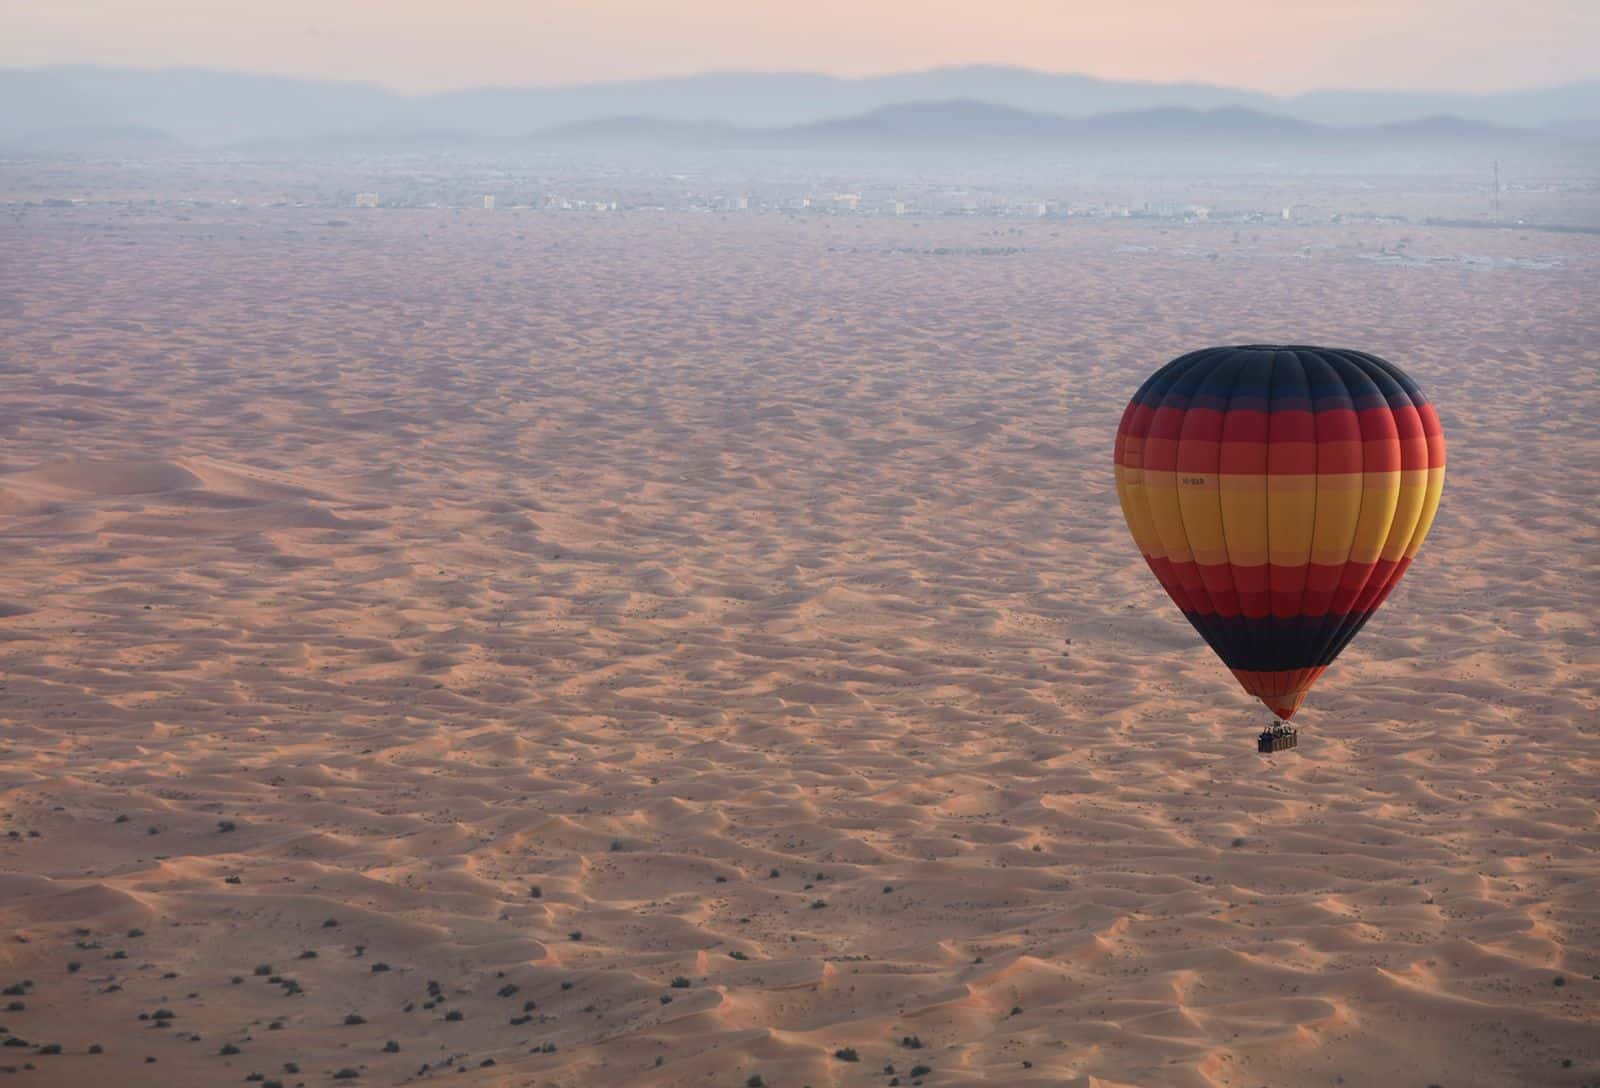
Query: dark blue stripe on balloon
{"type": "Point", "coordinates": [1297, 379]}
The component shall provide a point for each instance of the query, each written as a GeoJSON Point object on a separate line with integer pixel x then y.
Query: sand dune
{"type": "Point", "coordinates": [699, 649]}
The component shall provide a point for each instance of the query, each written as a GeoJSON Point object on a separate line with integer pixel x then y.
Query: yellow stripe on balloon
{"type": "Point", "coordinates": [1291, 510]}
{"type": "Point", "coordinates": [1407, 512]}
{"type": "Point", "coordinates": [1161, 493]}
{"type": "Point", "coordinates": [1430, 507]}
{"type": "Point", "coordinates": [1244, 517]}
{"type": "Point", "coordinates": [1199, 500]}
{"type": "Point", "coordinates": [1338, 511]}
{"type": "Point", "coordinates": [1380, 493]}
{"type": "Point", "coordinates": [1130, 492]}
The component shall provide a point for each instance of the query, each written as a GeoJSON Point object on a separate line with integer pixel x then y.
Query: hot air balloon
{"type": "Point", "coordinates": [1279, 493]}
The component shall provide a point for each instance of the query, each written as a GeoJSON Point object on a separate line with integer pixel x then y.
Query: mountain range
{"type": "Point", "coordinates": [963, 123]}
{"type": "Point", "coordinates": [206, 108]}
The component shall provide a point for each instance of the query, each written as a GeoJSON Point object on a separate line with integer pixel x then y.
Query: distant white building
{"type": "Point", "coordinates": [488, 202]}
{"type": "Point", "coordinates": [366, 200]}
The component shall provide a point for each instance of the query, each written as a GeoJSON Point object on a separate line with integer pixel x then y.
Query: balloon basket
{"type": "Point", "coordinates": [1277, 738]}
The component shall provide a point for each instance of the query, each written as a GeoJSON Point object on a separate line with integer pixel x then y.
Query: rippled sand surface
{"type": "Point", "coordinates": [667, 650]}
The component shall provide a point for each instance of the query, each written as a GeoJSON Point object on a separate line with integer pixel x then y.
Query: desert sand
{"type": "Point", "coordinates": [662, 650]}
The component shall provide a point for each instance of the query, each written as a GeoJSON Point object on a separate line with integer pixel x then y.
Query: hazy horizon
{"type": "Point", "coordinates": [415, 48]}
{"type": "Point", "coordinates": [1219, 82]}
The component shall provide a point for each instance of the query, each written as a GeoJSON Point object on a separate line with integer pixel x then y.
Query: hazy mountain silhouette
{"type": "Point", "coordinates": [213, 108]}
{"type": "Point", "coordinates": [938, 122]}
{"type": "Point", "coordinates": [381, 138]}
{"type": "Point", "coordinates": [1581, 130]}
{"type": "Point", "coordinates": [646, 130]}
{"type": "Point", "coordinates": [195, 106]}
{"type": "Point", "coordinates": [96, 139]}
{"type": "Point", "coordinates": [963, 123]}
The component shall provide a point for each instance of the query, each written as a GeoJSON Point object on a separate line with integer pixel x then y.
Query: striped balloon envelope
{"type": "Point", "coordinates": [1279, 493]}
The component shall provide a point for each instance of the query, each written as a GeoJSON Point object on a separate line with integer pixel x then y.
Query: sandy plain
{"type": "Point", "coordinates": [659, 650]}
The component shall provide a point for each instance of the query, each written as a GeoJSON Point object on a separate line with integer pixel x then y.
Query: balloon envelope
{"type": "Point", "coordinates": [1279, 493]}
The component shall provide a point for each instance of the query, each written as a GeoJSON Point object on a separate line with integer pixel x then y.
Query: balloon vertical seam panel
{"type": "Point", "coordinates": [1279, 494]}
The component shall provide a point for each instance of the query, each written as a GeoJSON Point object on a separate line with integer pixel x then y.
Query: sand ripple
{"type": "Point", "coordinates": [509, 617]}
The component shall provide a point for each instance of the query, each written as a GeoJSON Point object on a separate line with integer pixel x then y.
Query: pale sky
{"type": "Point", "coordinates": [429, 45]}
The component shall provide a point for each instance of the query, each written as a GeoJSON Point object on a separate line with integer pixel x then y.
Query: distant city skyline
{"type": "Point", "coordinates": [1287, 47]}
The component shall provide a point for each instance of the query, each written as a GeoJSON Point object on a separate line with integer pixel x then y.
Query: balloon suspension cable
{"type": "Point", "coordinates": [1278, 737]}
